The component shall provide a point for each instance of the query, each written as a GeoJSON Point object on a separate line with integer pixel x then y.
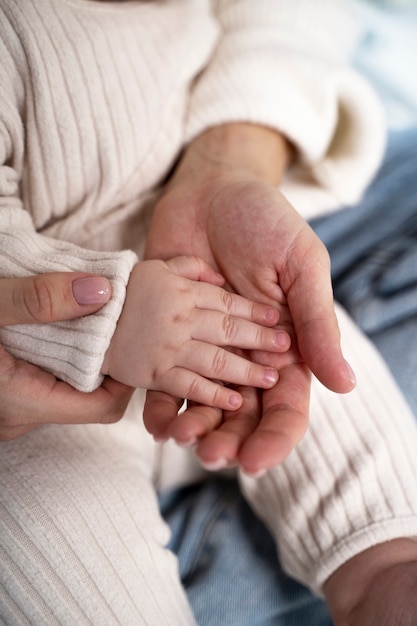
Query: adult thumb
{"type": "Point", "coordinates": [51, 297]}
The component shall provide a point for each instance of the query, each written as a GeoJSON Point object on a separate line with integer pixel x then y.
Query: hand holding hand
{"type": "Point", "coordinates": [169, 335]}
{"type": "Point", "coordinates": [30, 396]}
{"type": "Point", "coordinates": [223, 204]}
{"type": "Point", "coordinates": [246, 229]}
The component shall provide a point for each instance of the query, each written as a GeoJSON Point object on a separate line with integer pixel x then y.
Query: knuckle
{"type": "Point", "coordinates": [259, 337]}
{"type": "Point", "coordinates": [217, 395]}
{"type": "Point", "coordinates": [219, 365]}
{"type": "Point", "coordinates": [38, 299]}
{"type": "Point", "coordinates": [227, 299]}
{"type": "Point", "coordinates": [251, 372]}
{"type": "Point", "coordinates": [194, 388]}
{"type": "Point", "coordinates": [230, 328]}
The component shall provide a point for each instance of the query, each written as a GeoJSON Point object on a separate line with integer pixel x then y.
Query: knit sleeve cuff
{"type": "Point", "coordinates": [71, 350]}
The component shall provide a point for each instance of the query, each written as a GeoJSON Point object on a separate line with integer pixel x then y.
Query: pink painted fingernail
{"type": "Point", "coordinates": [91, 290]}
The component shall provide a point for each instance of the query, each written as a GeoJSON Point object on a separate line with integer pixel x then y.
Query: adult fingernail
{"type": "Point", "coordinates": [91, 290]}
{"type": "Point", "coordinates": [187, 443]}
{"type": "Point", "coordinates": [213, 466]}
{"type": "Point", "coordinates": [255, 474]}
{"type": "Point", "coordinates": [351, 373]}
{"type": "Point", "coordinates": [160, 439]}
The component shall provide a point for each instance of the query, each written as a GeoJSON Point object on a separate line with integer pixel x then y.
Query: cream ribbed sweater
{"type": "Point", "coordinates": [96, 101]}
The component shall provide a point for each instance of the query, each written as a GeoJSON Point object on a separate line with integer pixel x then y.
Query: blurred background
{"type": "Point", "coordinates": [387, 54]}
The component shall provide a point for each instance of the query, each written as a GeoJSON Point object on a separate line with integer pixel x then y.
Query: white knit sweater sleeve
{"type": "Point", "coordinates": [73, 351]}
{"type": "Point", "coordinates": [285, 65]}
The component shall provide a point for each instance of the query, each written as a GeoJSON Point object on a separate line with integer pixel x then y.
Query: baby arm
{"type": "Point", "coordinates": [174, 329]}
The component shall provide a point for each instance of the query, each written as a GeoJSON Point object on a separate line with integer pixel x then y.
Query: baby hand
{"type": "Point", "coordinates": [172, 326]}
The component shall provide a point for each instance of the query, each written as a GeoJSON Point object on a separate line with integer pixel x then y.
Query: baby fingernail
{"type": "Point", "coordinates": [235, 401]}
{"type": "Point", "coordinates": [271, 315]}
{"type": "Point", "coordinates": [281, 340]}
{"type": "Point", "coordinates": [91, 290]}
{"type": "Point", "coordinates": [270, 376]}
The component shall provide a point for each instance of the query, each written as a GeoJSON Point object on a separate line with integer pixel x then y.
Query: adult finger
{"type": "Point", "coordinates": [8, 434]}
{"type": "Point", "coordinates": [163, 419]}
{"type": "Point", "coordinates": [31, 397]}
{"type": "Point", "coordinates": [159, 411]}
{"type": "Point", "coordinates": [51, 297]}
{"type": "Point", "coordinates": [310, 300]}
{"type": "Point", "coordinates": [220, 447]}
{"type": "Point", "coordinates": [195, 422]}
{"type": "Point", "coordinates": [285, 413]}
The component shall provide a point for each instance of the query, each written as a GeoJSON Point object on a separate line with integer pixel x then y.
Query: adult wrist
{"type": "Point", "coordinates": [257, 151]}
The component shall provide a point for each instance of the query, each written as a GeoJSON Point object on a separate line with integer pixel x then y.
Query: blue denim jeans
{"type": "Point", "coordinates": [373, 248]}
{"type": "Point", "coordinates": [228, 561]}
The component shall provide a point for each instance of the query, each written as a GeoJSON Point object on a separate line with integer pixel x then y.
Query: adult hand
{"type": "Point", "coordinates": [31, 396]}
{"type": "Point", "coordinates": [231, 213]}
{"type": "Point", "coordinates": [223, 204]}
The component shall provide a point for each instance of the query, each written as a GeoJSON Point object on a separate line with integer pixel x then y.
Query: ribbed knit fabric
{"type": "Point", "coordinates": [98, 99]}
{"type": "Point", "coordinates": [96, 102]}
{"type": "Point", "coordinates": [81, 538]}
{"type": "Point", "coordinates": [351, 483]}
{"type": "Point", "coordinates": [73, 351]}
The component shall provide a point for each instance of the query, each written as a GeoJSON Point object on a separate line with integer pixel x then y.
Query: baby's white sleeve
{"type": "Point", "coordinates": [72, 350]}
